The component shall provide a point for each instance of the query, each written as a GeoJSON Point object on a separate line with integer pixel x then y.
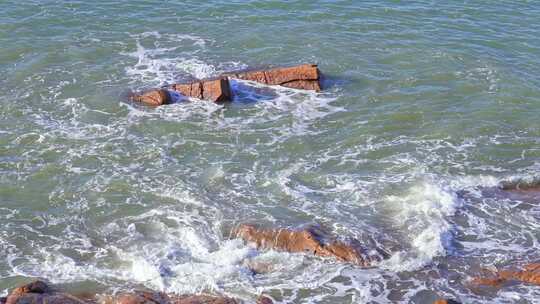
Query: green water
{"type": "Point", "coordinates": [423, 100]}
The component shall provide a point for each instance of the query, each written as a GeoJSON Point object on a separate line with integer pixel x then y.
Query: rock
{"type": "Point", "coordinates": [201, 299]}
{"type": "Point", "coordinates": [264, 300]}
{"type": "Point", "coordinates": [529, 274]}
{"type": "Point", "coordinates": [143, 297]}
{"type": "Point", "coordinates": [153, 98]}
{"type": "Point", "coordinates": [445, 301]}
{"type": "Point", "coordinates": [32, 287]}
{"type": "Point", "coordinates": [306, 76]}
{"type": "Point", "coordinates": [38, 292]}
{"type": "Point", "coordinates": [216, 90]}
{"type": "Point", "coordinates": [308, 241]}
{"type": "Point", "coordinates": [521, 185]}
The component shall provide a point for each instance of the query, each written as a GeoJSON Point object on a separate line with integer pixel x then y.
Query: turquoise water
{"type": "Point", "coordinates": [424, 101]}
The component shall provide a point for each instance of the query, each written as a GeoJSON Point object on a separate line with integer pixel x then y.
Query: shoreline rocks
{"type": "Point", "coordinates": [446, 301]}
{"type": "Point", "coordinates": [216, 90]}
{"type": "Point", "coordinates": [144, 297]}
{"type": "Point", "coordinates": [529, 273]}
{"type": "Point", "coordinates": [38, 292]}
{"type": "Point", "coordinates": [308, 241]}
{"type": "Point", "coordinates": [305, 77]}
{"type": "Point", "coordinates": [153, 97]}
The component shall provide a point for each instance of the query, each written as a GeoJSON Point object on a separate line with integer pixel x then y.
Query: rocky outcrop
{"type": "Point", "coordinates": [446, 301]}
{"type": "Point", "coordinates": [38, 292]}
{"type": "Point", "coordinates": [528, 274]}
{"type": "Point", "coordinates": [153, 97]}
{"type": "Point", "coordinates": [216, 90]}
{"type": "Point", "coordinates": [142, 297]}
{"type": "Point", "coordinates": [309, 241]}
{"type": "Point", "coordinates": [264, 300]}
{"type": "Point", "coordinates": [306, 76]}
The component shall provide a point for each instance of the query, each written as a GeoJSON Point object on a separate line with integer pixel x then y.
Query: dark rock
{"type": "Point", "coordinates": [306, 76]}
{"type": "Point", "coordinates": [308, 241]}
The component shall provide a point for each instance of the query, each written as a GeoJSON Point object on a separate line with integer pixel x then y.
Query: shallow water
{"type": "Point", "coordinates": [426, 104]}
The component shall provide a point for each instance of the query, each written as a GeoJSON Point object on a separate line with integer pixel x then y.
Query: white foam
{"type": "Point", "coordinates": [422, 213]}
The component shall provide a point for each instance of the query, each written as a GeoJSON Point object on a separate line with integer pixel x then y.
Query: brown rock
{"type": "Point", "coordinates": [217, 90]}
{"type": "Point", "coordinates": [38, 292]}
{"type": "Point", "coordinates": [32, 287]}
{"type": "Point", "coordinates": [153, 98]}
{"type": "Point", "coordinates": [201, 299]}
{"type": "Point", "coordinates": [306, 76]}
{"type": "Point", "coordinates": [264, 300]}
{"type": "Point", "coordinates": [529, 274]}
{"type": "Point", "coordinates": [307, 240]}
{"type": "Point", "coordinates": [36, 298]}
{"type": "Point", "coordinates": [445, 301]}
{"type": "Point", "coordinates": [142, 297]}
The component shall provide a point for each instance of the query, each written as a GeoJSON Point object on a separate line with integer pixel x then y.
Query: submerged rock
{"type": "Point", "coordinates": [528, 274]}
{"type": "Point", "coordinates": [308, 241]}
{"type": "Point", "coordinates": [306, 76]}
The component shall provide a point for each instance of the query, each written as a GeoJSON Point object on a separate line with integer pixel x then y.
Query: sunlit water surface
{"type": "Point", "coordinates": [425, 104]}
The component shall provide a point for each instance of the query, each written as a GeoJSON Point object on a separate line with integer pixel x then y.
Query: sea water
{"type": "Point", "coordinates": [425, 104]}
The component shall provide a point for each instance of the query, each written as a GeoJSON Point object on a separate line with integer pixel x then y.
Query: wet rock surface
{"type": "Point", "coordinates": [446, 301]}
{"type": "Point", "coordinates": [264, 300]}
{"type": "Point", "coordinates": [38, 292]}
{"type": "Point", "coordinates": [153, 97]}
{"type": "Point", "coordinates": [142, 297]}
{"type": "Point", "coordinates": [311, 241]}
{"type": "Point", "coordinates": [216, 90]}
{"type": "Point", "coordinates": [529, 274]}
{"type": "Point", "coordinates": [305, 77]}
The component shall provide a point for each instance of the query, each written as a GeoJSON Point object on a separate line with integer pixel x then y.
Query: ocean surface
{"type": "Point", "coordinates": [426, 103]}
